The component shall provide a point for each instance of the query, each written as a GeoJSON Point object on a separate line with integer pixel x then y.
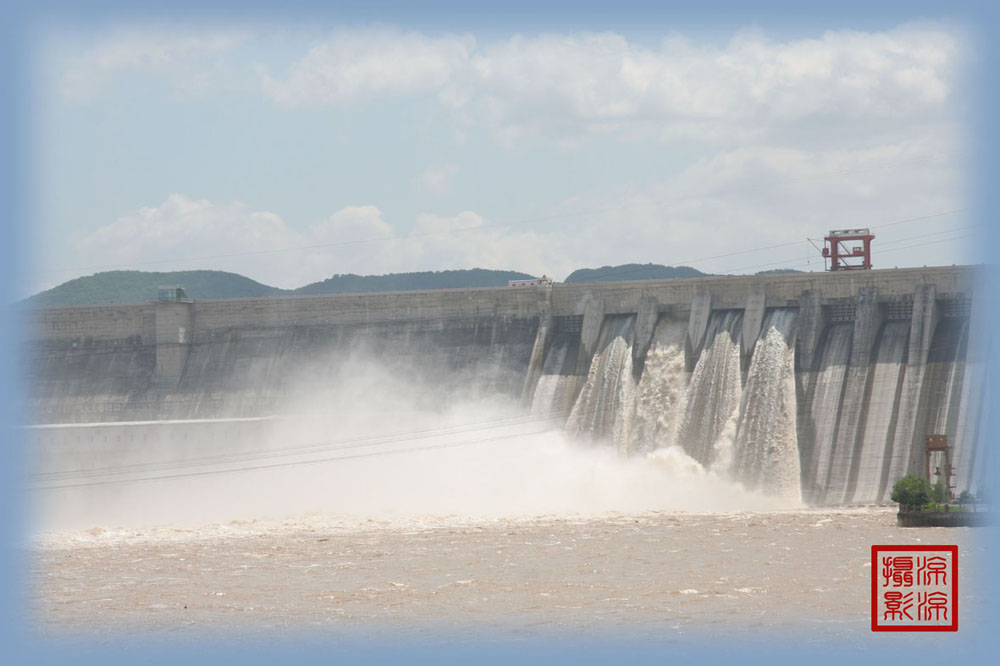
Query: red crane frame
{"type": "Point", "coordinates": [844, 258]}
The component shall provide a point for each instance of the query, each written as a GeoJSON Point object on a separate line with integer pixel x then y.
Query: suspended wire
{"type": "Point", "coordinates": [278, 465]}
{"type": "Point", "coordinates": [314, 447]}
{"type": "Point", "coordinates": [805, 260]}
{"type": "Point", "coordinates": [556, 417]}
{"type": "Point", "coordinates": [687, 262]}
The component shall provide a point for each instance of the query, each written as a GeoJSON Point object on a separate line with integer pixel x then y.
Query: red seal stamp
{"type": "Point", "coordinates": [914, 588]}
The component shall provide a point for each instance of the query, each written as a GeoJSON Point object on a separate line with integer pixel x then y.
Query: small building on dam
{"type": "Point", "coordinates": [819, 386]}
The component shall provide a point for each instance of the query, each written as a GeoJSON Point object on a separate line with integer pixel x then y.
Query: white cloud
{"type": "Point", "coordinates": [184, 58]}
{"type": "Point", "coordinates": [756, 197]}
{"type": "Point", "coordinates": [570, 84]}
{"type": "Point", "coordinates": [848, 129]}
{"type": "Point", "coordinates": [353, 65]}
{"type": "Point", "coordinates": [352, 224]}
{"type": "Point", "coordinates": [186, 234]}
{"type": "Point", "coordinates": [725, 203]}
{"type": "Point", "coordinates": [436, 179]}
{"type": "Point", "coordinates": [566, 87]}
{"type": "Point", "coordinates": [179, 231]}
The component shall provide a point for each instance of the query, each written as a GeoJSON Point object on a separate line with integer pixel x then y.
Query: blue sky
{"type": "Point", "coordinates": [292, 150]}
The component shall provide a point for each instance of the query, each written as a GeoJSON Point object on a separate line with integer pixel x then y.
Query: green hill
{"type": "Point", "coordinates": [779, 271]}
{"type": "Point", "coordinates": [140, 286]}
{"type": "Point", "coordinates": [633, 272]}
{"type": "Point", "coordinates": [476, 277]}
{"type": "Point", "coordinates": [650, 272]}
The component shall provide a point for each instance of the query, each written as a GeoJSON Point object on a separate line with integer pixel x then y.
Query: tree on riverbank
{"type": "Point", "coordinates": [911, 491]}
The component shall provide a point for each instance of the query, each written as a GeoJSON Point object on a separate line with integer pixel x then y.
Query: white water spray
{"type": "Point", "coordinates": [604, 406]}
{"type": "Point", "coordinates": [660, 397]}
{"type": "Point", "coordinates": [767, 454]}
{"type": "Point", "coordinates": [713, 396]}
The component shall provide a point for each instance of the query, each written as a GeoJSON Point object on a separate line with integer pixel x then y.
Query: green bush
{"type": "Point", "coordinates": [939, 493]}
{"type": "Point", "coordinates": [912, 491]}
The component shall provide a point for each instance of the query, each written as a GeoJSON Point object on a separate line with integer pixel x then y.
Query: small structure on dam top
{"type": "Point", "coordinates": [172, 294]}
{"type": "Point", "coordinates": [853, 258]}
{"type": "Point", "coordinates": [536, 282]}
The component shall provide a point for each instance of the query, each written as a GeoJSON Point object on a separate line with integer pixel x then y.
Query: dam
{"type": "Point", "coordinates": [819, 387]}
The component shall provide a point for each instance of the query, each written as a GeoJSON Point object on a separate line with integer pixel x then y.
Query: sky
{"type": "Point", "coordinates": [292, 151]}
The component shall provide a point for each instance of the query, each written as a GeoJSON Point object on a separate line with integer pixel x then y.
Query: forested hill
{"type": "Point", "coordinates": [475, 277]}
{"type": "Point", "coordinates": [140, 286]}
{"type": "Point", "coordinates": [633, 272]}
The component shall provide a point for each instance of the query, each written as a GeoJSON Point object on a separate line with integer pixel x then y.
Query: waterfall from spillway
{"type": "Point", "coordinates": [605, 403]}
{"type": "Point", "coordinates": [740, 416]}
{"type": "Point", "coordinates": [660, 396]}
{"type": "Point", "coordinates": [766, 452]}
{"type": "Point", "coordinates": [713, 396]}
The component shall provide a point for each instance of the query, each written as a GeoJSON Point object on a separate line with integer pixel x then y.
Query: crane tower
{"type": "Point", "coordinates": [844, 251]}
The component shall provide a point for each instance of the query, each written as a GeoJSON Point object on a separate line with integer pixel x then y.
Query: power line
{"type": "Point", "coordinates": [316, 447]}
{"type": "Point", "coordinates": [555, 417]}
{"type": "Point", "coordinates": [686, 262]}
{"type": "Point", "coordinates": [925, 217]}
{"type": "Point", "coordinates": [292, 463]}
{"type": "Point", "coordinates": [799, 261]}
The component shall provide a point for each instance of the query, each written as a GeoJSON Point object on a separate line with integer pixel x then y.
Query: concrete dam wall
{"type": "Point", "coordinates": [813, 386]}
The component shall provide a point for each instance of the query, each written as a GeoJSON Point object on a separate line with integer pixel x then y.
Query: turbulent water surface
{"type": "Point", "coordinates": [661, 575]}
